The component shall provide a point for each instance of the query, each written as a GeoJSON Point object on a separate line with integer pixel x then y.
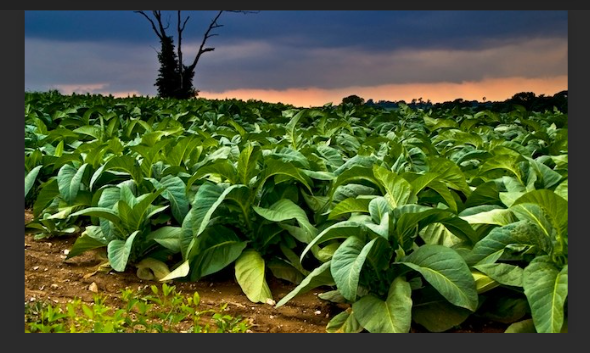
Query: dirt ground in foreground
{"type": "Point", "coordinates": [49, 277]}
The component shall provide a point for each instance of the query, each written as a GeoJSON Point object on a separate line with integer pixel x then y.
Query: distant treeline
{"type": "Point", "coordinates": [528, 100]}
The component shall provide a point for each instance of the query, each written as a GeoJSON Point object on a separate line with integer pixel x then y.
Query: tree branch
{"type": "Point", "coordinates": [161, 33]}
{"type": "Point", "coordinates": [206, 36]}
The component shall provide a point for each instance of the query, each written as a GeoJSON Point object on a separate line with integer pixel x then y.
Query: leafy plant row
{"type": "Point", "coordinates": [410, 216]}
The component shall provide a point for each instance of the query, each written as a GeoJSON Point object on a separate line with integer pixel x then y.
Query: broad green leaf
{"type": "Point", "coordinates": [347, 264]}
{"type": "Point", "coordinates": [141, 212]}
{"type": "Point", "coordinates": [562, 189]}
{"type": "Point", "coordinates": [320, 276]}
{"type": "Point", "coordinates": [505, 307]}
{"type": "Point", "coordinates": [524, 326]}
{"type": "Point", "coordinates": [484, 194]}
{"type": "Point", "coordinates": [355, 174]}
{"type": "Point", "coordinates": [90, 239]}
{"type": "Point", "coordinates": [30, 178]}
{"type": "Point", "coordinates": [438, 315]}
{"type": "Point", "coordinates": [449, 174]}
{"type": "Point", "coordinates": [69, 180]}
{"type": "Point", "coordinates": [446, 194]}
{"type": "Point", "coordinates": [175, 193]}
{"type": "Point", "coordinates": [223, 169]}
{"type": "Point", "coordinates": [284, 270]}
{"type": "Point", "coordinates": [286, 209]}
{"type": "Point", "coordinates": [247, 163]}
{"type": "Point", "coordinates": [437, 233]}
{"type": "Point", "coordinates": [167, 236]}
{"type": "Point", "coordinates": [547, 176]}
{"type": "Point", "coordinates": [126, 164]}
{"type": "Point", "coordinates": [506, 162]}
{"type": "Point", "coordinates": [340, 230]}
{"type": "Point", "coordinates": [412, 219]}
{"type": "Point", "coordinates": [348, 206]}
{"type": "Point", "coordinates": [492, 246]}
{"type": "Point", "coordinates": [101, 212]}
{"type": "Point", "coordinates": [378, 208]}
{"type": "Point", "coordinates": [118, 252]}
{"type": "Point", "coordinates": [215, 249]}
{"type": "Point", "coordinates": [293, 259]}
{"type": "Point", "coordinates": [447, 272]}
{"type": "Point", "coordinates": [393, 315]}
{"type": "Point", "coordinates": [555, 206]}
{"type": "Point", "coordinates": [276, 167]}
{"type": "Point", "coordinates": [331, 155]}
{"type": "Point", "coordinates": [483, 282]}
{"type": "Point", "coordinates": [250, 274]}
{"type": "Point", "coordinates": [397, 189]}
{"type": "Point", "coordinates": [505, 274]}
{"type": "Point", "coordinates": [181, 271]}
{"type": "Point", "coordinates": [499, 217]}
{"type": "Point", "coordinates": [286, 154]}
{"type": "Point", "coordinates": [149, 268]}
{"type": "Point", "coordinates": [206, 201]}
{"type": "Point", "coordinates": [546, 288]}
{"type": "Point", "coordinates": [344, 322]}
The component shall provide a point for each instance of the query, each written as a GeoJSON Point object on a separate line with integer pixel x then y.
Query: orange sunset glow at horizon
{"type": "Point", "coordinates": [495, 89]}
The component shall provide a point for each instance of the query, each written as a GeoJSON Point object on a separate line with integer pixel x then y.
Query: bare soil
{"type": "Point", "coordinates": [50, 277]}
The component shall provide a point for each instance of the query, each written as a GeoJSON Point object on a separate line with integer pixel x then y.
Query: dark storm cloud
{"type": "Point", "coordinates": [374, 30]}
{"type": "Point", "coordinates": [287, 49]}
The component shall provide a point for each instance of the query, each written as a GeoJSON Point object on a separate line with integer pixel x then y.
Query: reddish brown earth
{"type": "Point", "coordinates": [49, 277]}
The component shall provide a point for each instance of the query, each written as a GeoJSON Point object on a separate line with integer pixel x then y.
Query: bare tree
{"type": "Point", "coordinates": [176, 79]}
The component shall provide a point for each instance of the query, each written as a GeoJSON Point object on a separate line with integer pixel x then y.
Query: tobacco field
{"type": "Point", "coordinates": [402, 216]}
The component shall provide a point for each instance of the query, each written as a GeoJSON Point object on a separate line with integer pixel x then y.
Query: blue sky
{"type": "Point", "coordinates": [308, 57]}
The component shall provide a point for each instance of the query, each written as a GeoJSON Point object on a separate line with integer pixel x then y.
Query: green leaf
{"type": "Point", "coordinates": [492, 246]}
{"type": "Point", "coordinates": [167, 236]}
{"type": "Point", "coordinates": [206, 201]}
{"type": "Point", "coordinates": [449, 174]}
{"type": "Point", "coordinates": [344, 322]}
{"type": "Point", "coordinates": [181, 271]}
{"type": "Point", "coordinates": [68, 181]}
{"type": "Point", "coordinates": [48, 193]}
{"type": "Point", "coordinates": [250, 274]}
{"type": "Point", "coordinates": [499, 217]}
{"type": "Point", "coordinates": [555, 206]}
{"type": "Point", "coordinates": [284, 270]}
{"type": "Point", "coordinates": [247, 163]}
{"type": "Point", "coordinates": [347, 264]}
{"type": "Point", "coordinates": [149, 268]}
{"type": "Point", "coordinates": [524, 326]}
{"type": "Point", "coordinates": [393, 315]}
{"type": "Point", "coordinates": [378, 208]}
{"type": "Point", "coordinates": [438, 315]}
{"type": "Point", "coordinates": [447, 272]}
{"type": "Point", "coordinates": [349, 205]}
{"type": "Point", "coordinates": [30, 178]}
{"type": "Point", "coordinates": [101, 212]}
{"type": "Point", "coordinates": [175, 193]}
{"type": "Point", "coordinates": [223, 169]}
{"type": "Point", "coordinates": [546, 288]}
{"type": "Point", "coordinates": [397, 189]}
{"type": "Point", "coordinates": [276, 167]}
{"type": "Point", "coordinates": [562, 189]}
{"type": "Point", "coordinates": [118, 252]}
{"type": "Point", "coordinates": [285, 209]}
{"type": "Point", "coordinates": [216, 248]}
{"type": "Point", "coordinates": [340, 230]}
{"type": "Point", "coordinates": [505, 274]}
{"type": "Point", "coordinates": [86, 242]}
{"type": "Point", "coordinates": [126, 164]}
{"type": "Point", "coordinates": [320, 276]}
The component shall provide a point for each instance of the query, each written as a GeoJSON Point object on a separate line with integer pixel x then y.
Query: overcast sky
{"type": "Point", "coordinates": [308, 57]}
